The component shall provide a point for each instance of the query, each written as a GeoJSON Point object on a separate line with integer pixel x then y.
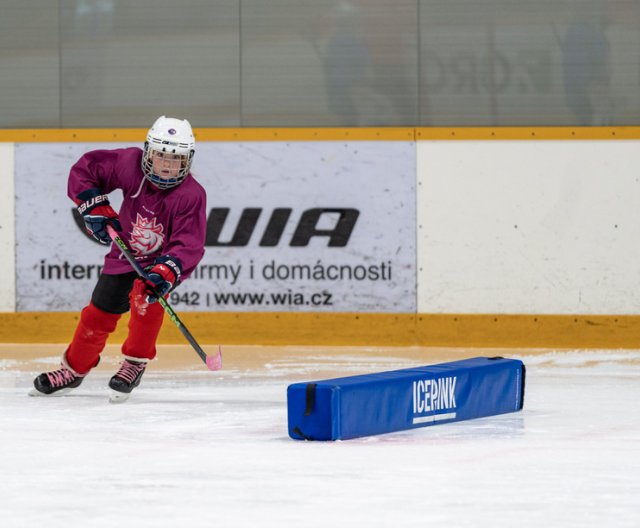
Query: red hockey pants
{"type": "Point", "coordinates": [96, 325]}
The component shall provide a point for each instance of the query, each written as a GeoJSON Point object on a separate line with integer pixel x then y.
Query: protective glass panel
{"type": "Point", "coordinates": [29, 64]}
{"type": "Point", "coordinates": [126, 62]}
{"type": "Point", "coordinates": [519, 62]}
{"type": "Point", "coordinates": [329, 63]}
{"type": "Point", "coordinates": [117, 63]}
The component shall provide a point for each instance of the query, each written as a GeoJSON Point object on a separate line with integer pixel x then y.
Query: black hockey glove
{"type": "Point", "coordinates": [97, 213]}
{"type": "Point", "coordinates": [162, 276]}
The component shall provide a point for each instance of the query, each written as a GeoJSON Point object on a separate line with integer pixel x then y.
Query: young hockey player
{"type": "Point", "coordinates": [163, 220]}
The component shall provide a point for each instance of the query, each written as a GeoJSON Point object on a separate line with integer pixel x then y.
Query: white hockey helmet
{"type": "Point", "coordinates": [173, 136]}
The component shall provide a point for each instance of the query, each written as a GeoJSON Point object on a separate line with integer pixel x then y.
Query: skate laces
{"type": "Point", "coordinates": [59, 378]}
{"type": "Point", "coordinates": [129, 370]}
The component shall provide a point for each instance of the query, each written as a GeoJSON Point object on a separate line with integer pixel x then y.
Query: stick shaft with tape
{"type": "Point", "coordinates": [212, 362]}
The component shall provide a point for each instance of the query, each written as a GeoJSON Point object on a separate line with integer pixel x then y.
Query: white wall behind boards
{"type": "Point", "coordinates": [529, 227]}
{"type": "Point", "coordinates": [7, 229]}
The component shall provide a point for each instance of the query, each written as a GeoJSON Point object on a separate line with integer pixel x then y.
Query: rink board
{"type": "Point", "coordinates": [356, 406]}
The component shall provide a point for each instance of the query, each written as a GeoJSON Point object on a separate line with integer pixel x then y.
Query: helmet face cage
{"type": "Point", "coordinates": [171, 136]}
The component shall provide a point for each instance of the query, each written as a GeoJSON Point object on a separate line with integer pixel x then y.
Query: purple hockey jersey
{"type": "Point", "coordinates": [154, 222]}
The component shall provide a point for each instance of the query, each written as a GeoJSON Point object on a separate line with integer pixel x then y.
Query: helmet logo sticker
{"type": "Point", "coordinates": [172, 131]}
{"type": "Point", "coordinates": [146, 236]}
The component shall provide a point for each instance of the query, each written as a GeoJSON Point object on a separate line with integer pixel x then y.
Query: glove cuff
{"type": "Point", "coordinates": [171, 268]}
{"type": "Point", "coordinates": [88, 200]}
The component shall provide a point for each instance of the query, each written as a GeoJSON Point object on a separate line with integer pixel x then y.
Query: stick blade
{"type": "Point", "coordinates": [215, 362]}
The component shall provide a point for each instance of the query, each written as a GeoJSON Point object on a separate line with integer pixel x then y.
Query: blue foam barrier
{"type": "Point", "coordinates": [371, 404]}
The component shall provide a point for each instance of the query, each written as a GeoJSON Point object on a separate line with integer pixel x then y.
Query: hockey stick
{"type": "Point", "coordinates": [212, 362]}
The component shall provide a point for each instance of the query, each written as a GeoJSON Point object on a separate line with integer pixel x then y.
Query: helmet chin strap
{"type": "Point", "coordinates": [160, 183]}
{"type": "Point", "coordinates": [139, 188]}
{"type": "Point", "coordinates": [152, 183]}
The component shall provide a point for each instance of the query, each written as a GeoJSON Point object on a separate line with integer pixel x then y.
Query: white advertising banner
{"type": "Point", "coordinates": [301, 226]}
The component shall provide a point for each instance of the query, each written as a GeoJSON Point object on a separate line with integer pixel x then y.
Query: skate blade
{"type": "Point", "coordinates": [61, 392]}
{"type": "Point", "coordinates": [118, 397]}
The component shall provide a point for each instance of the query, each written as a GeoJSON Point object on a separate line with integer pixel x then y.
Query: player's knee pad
{"type": "Point", "coordinates": [95, 319]}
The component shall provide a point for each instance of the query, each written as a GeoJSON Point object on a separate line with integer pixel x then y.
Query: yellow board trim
{"type": "Point", "coordinates": [137, 135]}
{"type": "Point", "coordinates": [211, 134]}
{"type": "Point", "coordinates": [351, 329]}
{"type": "Point", "coordinates": [528, 133]}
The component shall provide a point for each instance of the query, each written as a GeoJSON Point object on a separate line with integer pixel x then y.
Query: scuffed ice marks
{"type": "Point", "coordinates": [622, 362]}
{"type": "Point", "coordinates": [196, 449]}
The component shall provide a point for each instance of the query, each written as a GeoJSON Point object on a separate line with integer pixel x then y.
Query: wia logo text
{"type": "Point", "coordinates": [306, 228]}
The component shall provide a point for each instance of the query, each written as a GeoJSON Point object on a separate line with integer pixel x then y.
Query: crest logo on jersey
{"type": "Point", "coordinates": [147, 236]}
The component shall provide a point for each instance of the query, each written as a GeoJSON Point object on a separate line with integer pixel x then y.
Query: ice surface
{"type": "Point", "coordinates": [196, 448]}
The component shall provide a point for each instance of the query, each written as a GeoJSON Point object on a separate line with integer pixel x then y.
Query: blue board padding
{"type": "Point", "coordinates": [397, 400]}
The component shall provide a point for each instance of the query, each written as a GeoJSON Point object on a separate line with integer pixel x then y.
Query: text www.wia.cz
{"type": "Point", "coordinates": [288, 298]}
